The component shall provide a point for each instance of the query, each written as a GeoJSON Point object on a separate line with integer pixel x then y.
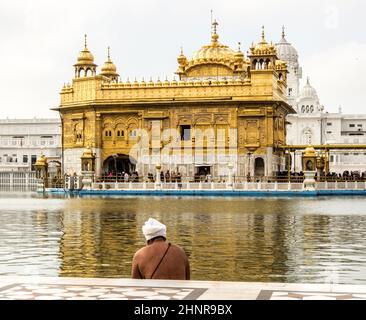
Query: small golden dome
{"type": "Point", "coordinates": [88, 153]}
{"type": "Point", "coordinates": [85, 57]}
{"type": "Point", "coordinates": [182, 59]}
{"type": "Point", "coordinates": [239, 55]}
{"type": "Point", "coordinates": [41, 161]}
{"type": "Point", "coordinates": [263, 48]}
{"type": "Point", "coordinates": [109, 69]}
{"type": "Point", "coordinates": [309, 151]}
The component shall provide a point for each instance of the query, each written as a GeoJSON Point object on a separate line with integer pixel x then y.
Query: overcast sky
{"type": "Point", "coordinates": [40, 41]}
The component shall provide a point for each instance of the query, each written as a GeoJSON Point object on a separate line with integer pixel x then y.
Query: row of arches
{"type": "Point", "coordinates": [307, 109]}
{"type": "Point", "coordinates": [85, 72]}
{"type": "Point", "coordinates": [261, 64]}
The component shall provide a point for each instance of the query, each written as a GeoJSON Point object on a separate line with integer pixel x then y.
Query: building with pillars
{"type": "Point", "coordinates": [311, 124]}
{"type": "Point", "coordinates": [230, 106]}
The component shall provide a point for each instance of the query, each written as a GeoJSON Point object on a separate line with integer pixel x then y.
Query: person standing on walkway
{"type": "Point", "coordinates": [159, 259]}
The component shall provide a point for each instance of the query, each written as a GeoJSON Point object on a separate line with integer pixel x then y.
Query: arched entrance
{"type": "Point", "coordinates": [119, 163]}
{"type": "Point", "coordinates": [259, 167]}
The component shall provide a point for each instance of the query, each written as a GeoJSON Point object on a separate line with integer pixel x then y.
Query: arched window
{"type": "Point", "coordinates": [280, 76]}
{"type": "Point", "coordinates": [88, 72]}
{"type": "Point", "coordinates": [120, 133]}
{"type": "Point", "coordinates": [303, 109]}
{"type": "Point", "coordinates": [255, 64]}
{"type": "Point", "coordinates": [108, 134]}
{"type": "Point", "coordinates": [261, 64]}
{"type": "Point", "coordinates": [79, 137]}
{"type": "Point", "coordinates": [311, 108]}
{"type": "Point", "coordinates": [268, 62]}
{"type": "Point", "coordinates": [133, 133]}
{"type": "Point", "coordinates": [307, 109]}
{"type": "Point", "coordinates": [80, 72]}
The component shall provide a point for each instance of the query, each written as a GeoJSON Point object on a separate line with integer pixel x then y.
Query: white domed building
{"type": "Point", "coordinates": [313, 125]}
{"type": "Point", "coordinates": [287, 53]}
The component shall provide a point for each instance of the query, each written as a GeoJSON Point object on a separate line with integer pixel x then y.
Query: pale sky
{"type": "Point", "coordinates": [40, 41]}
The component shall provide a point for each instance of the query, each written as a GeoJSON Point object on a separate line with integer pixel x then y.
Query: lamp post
{"type": "Point", "coordinates": [158, 179]}
{"type": "Point", "coordinates": [230, 184]}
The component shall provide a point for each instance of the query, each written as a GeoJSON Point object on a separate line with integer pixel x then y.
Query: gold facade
{"type": "Point", "coordinates": [218, 88]}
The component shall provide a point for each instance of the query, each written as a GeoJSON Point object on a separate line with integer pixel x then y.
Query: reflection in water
{"type": "Point", "coordinates": [240, 239]}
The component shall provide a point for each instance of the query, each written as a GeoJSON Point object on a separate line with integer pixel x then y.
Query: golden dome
{"type": "Point", "coordinates": [41, 161]}
{"type": "Point", "coordinates": [88, 153]}
{"type": "Point", "coordinates": [263, 47]}
{"type": "Point", "coordinates": [85, 57]}
{"type": "Point", "coordinates": [309, 151]}
{"type": "Point", "coordinates": [182, 60]}
{"type": "Point", "coordinates": [109, 69]}
{"type": "Point", "coordinates": [214, 53]}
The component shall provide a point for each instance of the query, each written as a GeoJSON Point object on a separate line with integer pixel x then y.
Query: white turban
{"type": "Point", "coordinates": [153, 228]}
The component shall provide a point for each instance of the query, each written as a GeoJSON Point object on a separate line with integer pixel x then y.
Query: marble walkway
{"type": "Point", "coordinates": [43, 288]}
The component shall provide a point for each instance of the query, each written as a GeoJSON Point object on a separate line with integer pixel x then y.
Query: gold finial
{"type": "Point", "coordinates": [181, 51]}
{"type": "Point", "coordinates": [263, 38]}
{"type": "Point", "coordinates": [239, 44]}
{"type": "Point", "coordinates": [214, 35]}
{"type": "Point", "coordinates": [214, 26]}
{"type": "Point", "coordinates": [109, 53]}
{"type": "Point", "coordinates": [86, 42]}
{"type": "Point", "coordinates": [283, 32]}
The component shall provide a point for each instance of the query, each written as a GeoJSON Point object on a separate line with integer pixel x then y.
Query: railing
{"type": "Point", "coordinates": [18, 180]}
{"type": "Point", "coordinates": [197, 179]}
{"type": "Point", "coordinates": [222, 183]}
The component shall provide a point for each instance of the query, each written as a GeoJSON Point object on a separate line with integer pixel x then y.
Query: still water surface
{"type": "Point", "coordinates": [232, 239]}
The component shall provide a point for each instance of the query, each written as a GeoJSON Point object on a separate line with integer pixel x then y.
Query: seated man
{"type": "Point", "coordinates": [159, 259]}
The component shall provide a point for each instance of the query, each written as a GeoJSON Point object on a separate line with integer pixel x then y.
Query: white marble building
{"type": "Point", "coordinates": [23, 140]}
{"type": "Point", "coordinates": [312, 124]}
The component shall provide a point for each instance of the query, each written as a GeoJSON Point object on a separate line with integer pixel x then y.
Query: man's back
{"type": "Point", "coordinates": [174, 266]}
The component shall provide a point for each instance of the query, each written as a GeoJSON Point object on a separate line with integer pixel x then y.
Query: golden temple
{"type": "Point", "coordinates": [241, 100]}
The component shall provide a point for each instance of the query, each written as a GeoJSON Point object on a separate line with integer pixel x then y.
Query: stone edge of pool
{"type": "Point", "coordinates": [223, 193]}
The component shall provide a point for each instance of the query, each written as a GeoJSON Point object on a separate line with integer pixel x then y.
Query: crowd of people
{"type": "Point", "coordinates": [172, 177]}
{"type": "Point", "coordinates": [346, 175]}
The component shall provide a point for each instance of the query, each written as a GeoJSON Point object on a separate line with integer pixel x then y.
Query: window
{"type": "Point", "coordinates": [359, 125]}
{"type": "Point", "coordinates": [289, 91]}
{"type": "Point", "coordinates": [120, 133]}
{"type": "Point", "coordinates": [332, 158]}
{"type": "Point", "coordinates": [79, 137]}
{"type": "Point", "coordinates": [355, 154]}
{"type": "Point", "coordinates": [25, 159]}
{"type": "Point", "coordinates": [329, 132]}
{"type": "Point", "coordinates": [329, 124]}
{"type": "Point", "coordinates": [133, 133]}
{"type": "Point", "coordinates": [185, 133]}
{"type": "Point", "coordinates": [108, 133]}
{"type": "Point", "coordinates": [352, 125]}
{"type": "Point", "coordinates": [33, 161]}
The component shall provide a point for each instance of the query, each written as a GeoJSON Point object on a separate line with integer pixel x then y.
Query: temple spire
{"type": "Point", "coordinates": [86, 42]}
{"type": "Point", "coordinates": [214, 35]}
{"type": "Point", "coordinates": [283, 32]}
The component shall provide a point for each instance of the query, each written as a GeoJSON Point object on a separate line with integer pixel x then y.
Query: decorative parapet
{"type": "Point", "coordinates": [97, 90]}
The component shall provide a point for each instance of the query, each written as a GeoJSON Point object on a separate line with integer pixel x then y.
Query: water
{"type": "Point", "coordinates": [232, 239]}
